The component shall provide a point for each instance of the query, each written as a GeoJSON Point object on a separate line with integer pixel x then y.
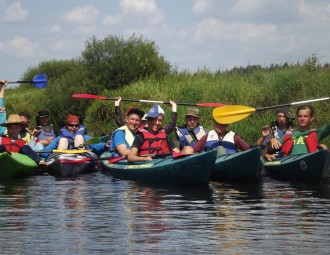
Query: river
{"type": "Point", "coordinates": [96, 214]}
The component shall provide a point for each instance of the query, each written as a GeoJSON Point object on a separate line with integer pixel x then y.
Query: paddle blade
{"type": "Point", "coordinates": [231, 113]}
{"type": "Point", "coordinates": [40, 81]}
{"type": "Point", "coordinates": [93, 140]}
{"type": "Point", "coordinates": [89, 96]}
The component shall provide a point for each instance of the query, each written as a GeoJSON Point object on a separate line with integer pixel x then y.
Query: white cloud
{"type": "Point", "coordinates": [15, 13]}
{"type": "Point", "coordinates": [20, 47]}
{"type": "Point", "coordinates": [55, 29]}
{"type": "Point", "coordinates": [84, 15]}
{"type": "Point", "coordinates": [112, 20]}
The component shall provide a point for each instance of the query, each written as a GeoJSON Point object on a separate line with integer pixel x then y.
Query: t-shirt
{"type": "Point", "coordinates": [299, 145]}
{"type": "Point", "coordinates": [119, 138]}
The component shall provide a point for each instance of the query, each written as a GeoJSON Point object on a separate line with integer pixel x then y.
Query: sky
{"type": "Point", "coordinates": [189, 34]}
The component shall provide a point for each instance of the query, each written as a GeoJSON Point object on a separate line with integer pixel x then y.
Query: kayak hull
{"type": "Point", "coordinates": [243, 166]}
{"type": "Point", "coordinates": [67, 165]}
{"type": "Point", "coordinates": [307, 167]}
{"type": "Point", "coordinates": [188, 170]}
{"type": "Point", "coordinates": [16, 165]}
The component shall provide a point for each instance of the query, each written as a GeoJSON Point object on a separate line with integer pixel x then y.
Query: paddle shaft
{"type": "Point", "coordinates": [293, 104]}
{"type": "Point", "coordinates": [89, 96]}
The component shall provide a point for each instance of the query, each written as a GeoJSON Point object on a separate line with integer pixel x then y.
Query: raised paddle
{"type": "Point", "coordinates": [89, 96]}
{"type": "Point", "coordinates": [39, 81]}
{"type": "Point", "coordinates": [231, 113]}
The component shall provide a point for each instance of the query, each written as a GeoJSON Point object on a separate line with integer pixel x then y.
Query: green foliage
{"type": "Point", "coordinates": [114, 62]}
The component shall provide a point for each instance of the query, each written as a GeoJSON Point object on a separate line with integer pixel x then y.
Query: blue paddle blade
{"type": "Point", "coordinates": [40, 81]}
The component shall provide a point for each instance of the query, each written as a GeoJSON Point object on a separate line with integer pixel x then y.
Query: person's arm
{"type": "Point", "coordinates": [241, 144]}
{"type": "Point", "coordinates": [200, 145]}
{"type": "Point", "coordinates": [323, 131]}
{"type": "Point", "coordinates": [50, 147]}
{"type": "Point", "coordinates": [3, 114]}
{"type": "Point", "coordinates": [120, 143]}
{"type": "Point", "coordinates": [265, 132]}
{"type": "Point", "coordinates": [118, 117]}
{"type": "Point", "coordinates": [171, 145]}
{"type": "Point", "coordinates": [172, 124]}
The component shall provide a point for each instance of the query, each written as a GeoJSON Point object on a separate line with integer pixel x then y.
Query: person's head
{"type": "Point", "coordinates": [220, 128]}
{"type": "Point", "coordinates": [42, 118]}
{"type": "Point", "coordinates": [24, 116]}
{"type": "Point", "coordinates": [133, 118]}
{"type": "Point", "coordinates": [283, 117]}
{"type": "Point", "coordinates": [72, 123]}
{"type": "Point", "coordinates": [192, 118]}
{"type": "Point", "coordinates": [305, 115]}
{"type": "Point", "coordinates": [155, 118]}
{"type": "Point", "coordinates": [14, 125]}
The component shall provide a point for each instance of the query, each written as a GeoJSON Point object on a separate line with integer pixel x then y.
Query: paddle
{"type": "Point", "coordinates": [39, 81]}
{"type": "Point", "coordinates": [231, 113]}
{"type": "Point", "coordinates": [63, 151]}
{"type": "Point", "coordinates": [89, 96]}
{"type": "Point", "coordinates": [77, 161]}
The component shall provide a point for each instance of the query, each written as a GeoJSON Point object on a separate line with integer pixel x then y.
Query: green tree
{"type": "Point", "coordinates": [114, 62]}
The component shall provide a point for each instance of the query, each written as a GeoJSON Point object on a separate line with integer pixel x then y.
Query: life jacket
{"type": "Point", "coordinates": [70, 136]}
{"type": "Point", "coordinates": [129, 138]}
{"type": "Point", "coordinates": [227, 142]}
{"type": "Point", "coordinates": [187, 138]}
{"type": "Point", "coordinates": [154, 144]}
{"type": "Point", "coordinates": [311, 141]}
{"type": "Point", "coordinates": [25, 136]}
{"type": "Point", "coordinates": [12, 145]}
{"type": "Point", "coordinates": [46, 132]}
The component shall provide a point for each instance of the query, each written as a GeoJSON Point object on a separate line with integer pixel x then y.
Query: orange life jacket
{"type": "Point", "coordinates": [311, 142]}
{"type": "Point", "coordinates": [154, 144]}
{"type": "Point", "coordinates": [12, 145]}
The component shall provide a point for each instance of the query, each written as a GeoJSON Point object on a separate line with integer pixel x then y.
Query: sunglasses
{"type": "Point", "coordinates": [73, 125]}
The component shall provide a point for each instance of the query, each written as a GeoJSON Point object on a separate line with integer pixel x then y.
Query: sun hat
{"type": "Point", "coordinates": [14, 119]}
{"type": "Point", "coordinates": [192, 112]}
{"type": "Point", "coordinates": [135, 110]}
{"type": "Point", "coordinates": [155, 111]}
{"type": "Point", "coordinates": [43, 114]}
{"type": "Point", "coordinates": [72, 119]}
{"type": "Point", "coordinates": [285, 111]}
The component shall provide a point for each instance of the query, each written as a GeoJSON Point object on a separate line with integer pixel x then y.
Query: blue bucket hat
{"type": "Point", "coordinates": [155, 111]}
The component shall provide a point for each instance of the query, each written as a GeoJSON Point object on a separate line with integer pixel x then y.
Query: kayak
{"type": "Point", "coordinates": [16, 165]}
{"type": "Point", "coordinates": [243, 166]}
{"type": "Point", "coordinates": [71, 164]}
{"type": "Point", "coordinates": [307, 167]}
{"type": "Point", "coordinates": [187, 170]}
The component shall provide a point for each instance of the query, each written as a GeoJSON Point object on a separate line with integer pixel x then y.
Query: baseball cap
{"type": "Point", "coordinates": [285, 111]}
{"type": "Point", "coordinates": [192, 112]}
{"type": "Point", "coordinates": [155, 111]}
{"type": "Point", "coordinates": [135, 110]}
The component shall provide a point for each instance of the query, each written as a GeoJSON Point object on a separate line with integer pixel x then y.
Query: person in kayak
{"type": "Point", "coordinates": [303, 139]}
{"type": "Point", "coordinates": [152, 139]}
{"type": "Point", "coordinates": [73, 136]}
{"type": "Point", "coordinates": [44, 131]}
{"type": "Point", "coordinates": [3, 115]}
{"type": "Point", "coordinates": [12, 143]}
{"type": "Point", "coordinates": [168, 128]}
{"type": "Point", "coordinates": [192, 131]}
{"type": "Point", "coordinates": [221, 139]}
{"type": "Point", "coordinates": [122, 138]}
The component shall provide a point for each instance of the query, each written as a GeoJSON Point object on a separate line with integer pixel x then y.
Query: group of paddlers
{"type": "Point", "coordinates": [140, 136]}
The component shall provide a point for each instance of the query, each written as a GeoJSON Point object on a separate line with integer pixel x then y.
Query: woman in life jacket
{"type": "Point", "coordinates": [303, 139]}
{"type": "Point", "coordinates": [221, 139]}
{"type": "Point", "coordinates": [44, 131]}
{"type": "Point", "coordinates": [152, 139]}
{"type": "Point", "coordinates": [12, 143]}
{"type": "Point", "coordinates": [191, 132]}
{"type": "Point", "coordinates": [123, 137]}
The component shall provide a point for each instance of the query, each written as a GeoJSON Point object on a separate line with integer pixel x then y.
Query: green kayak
{"type": "Point", "coordinates": [188, 170]}
{"type": "Point", "coordinates": [15, 165]}
{"type": "Point", "coordinates": [307, 167]}
{"type": "Point", "coordinates": [243, 166]}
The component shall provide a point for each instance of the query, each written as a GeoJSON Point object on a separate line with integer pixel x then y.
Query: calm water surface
{"type": "Point", "coordinates": [96, 214]}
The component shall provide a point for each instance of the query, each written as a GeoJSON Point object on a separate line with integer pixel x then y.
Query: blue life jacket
{"type": "Point", "coordinates": [227, 141]}
{"type": "Point", "coordinates": [70, 136]}
{"type": "Point", "coordinates": [185, 138]}
{"type": "Point", "coordinates": [46, 132]}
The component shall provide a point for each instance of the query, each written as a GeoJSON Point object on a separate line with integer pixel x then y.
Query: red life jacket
{"type": "Point", "coordinates": [12, 145]}
{"type": "Point", "coordinates": [311, 142]}
{"type": "Point", "coordinates": [154, 144]}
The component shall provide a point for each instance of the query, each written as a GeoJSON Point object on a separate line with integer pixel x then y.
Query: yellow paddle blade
{"type": "Point", "coordinates": [70, 151]}
{"type": "Point", "coordinates": [231, 113]}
